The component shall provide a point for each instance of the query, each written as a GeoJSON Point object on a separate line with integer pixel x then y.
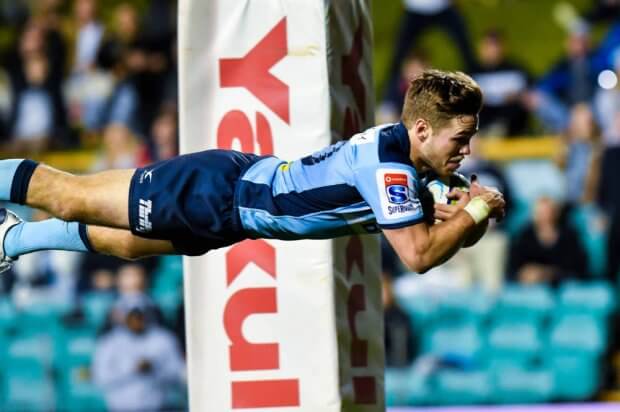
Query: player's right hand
{"type": "Point", "coordinates": [491, 195]}
{"type": "Point", "coordinates": [496, 202]}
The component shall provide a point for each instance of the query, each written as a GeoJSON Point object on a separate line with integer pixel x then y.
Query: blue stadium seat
{"type": "Point", "coordinates": [456, 387]}
{"type": "Point", "coordinates": [96, 307]}
{"type": "Point", "coordinates": [396, 386]}
{"type": "Point", "coordinates": [8, 315]}
{"type": "Point", "coordinates": [77, 391]}
{"type": "Point", "coordinates": [74, 346]}
{"type": "Point", "coordinates": [577, 334]}
{"type": "Point", "coordinates": [576, 377]}
{"type": "Point", "coordinates": [513, 343]}
{"type": "Point", "coordinates": [518, 385]}
{"type": "Point", "coordinates": [40, 316]}
{"type": "Point", "coordinates": [27, 388]}
{"type": "Point", "coordinates": [471, 304]}
{"type": "Point", "coordinates": [585, 219]}
{"type": "Point", "coordinates": [29, 348]}
{"type": "Point", "coordinates": [460, 342]}
{"type": "Point", "coordinates": [596, 298]}
{"type": "Point", "coordinates": [519, 302]}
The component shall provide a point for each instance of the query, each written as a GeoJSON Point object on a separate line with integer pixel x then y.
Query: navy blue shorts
{"type": "Point", "coordinates": [189, 200]}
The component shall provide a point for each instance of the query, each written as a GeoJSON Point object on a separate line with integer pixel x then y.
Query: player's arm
{"type": "Point", "coordinates": [422, 247]}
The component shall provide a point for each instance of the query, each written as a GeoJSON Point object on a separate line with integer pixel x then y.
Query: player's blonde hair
{"type": "Point", "coordinates": [438, 96]}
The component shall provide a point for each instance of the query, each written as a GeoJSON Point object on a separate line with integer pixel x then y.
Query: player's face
{"type": "Point", "coordinates": [449, 145]}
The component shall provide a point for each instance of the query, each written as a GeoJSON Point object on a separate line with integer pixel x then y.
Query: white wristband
{"type": "Point", "coordinates": [478, 209]}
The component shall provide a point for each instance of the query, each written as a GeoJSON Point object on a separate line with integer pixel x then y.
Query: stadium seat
{"type": "Point", "coordinates": [74, 346]}
{"type": "Point", "coordinates": [577, 334]}
{"type": "Point", "coordinates": [471, 304]}
{"type": "Point", "coordinates": [513, 343]}
{"type": "Point", "coordinates": [460, 342]}
{"type": "Point", "coordinates": [596, 298]}
{"type": "Point", "coordinates": [576, 377]}
{"type": "Point", "coordinates": [40, 316]}
{"type": "Point", "coordinates": [27, 388]}
{"type": "Point", "coordinates": [28, 348]}
{"type": "Point", "coordinates": [396, 386]}
{"type": "Point", "coordinates": [456, 387]}
{"type": "Point", "coordinates": [517, 385]}
{"type": "Point", "coordinates": [96, 307]}
{"type": "Point", "coordinates": [584, 220]}
{"type": "Point", "coordinates": [76, 390]}
{"type": "Point", "coordinates": [8, 315]}
{"type": "Point", "coordinates": [518, 302]}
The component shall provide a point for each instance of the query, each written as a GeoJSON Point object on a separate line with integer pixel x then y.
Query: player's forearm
{"type": "Point", "coordinates": [444, 240]}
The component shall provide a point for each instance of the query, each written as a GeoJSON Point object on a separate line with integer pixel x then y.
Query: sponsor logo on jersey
{"type": "Point", "coordinates": [145, 208]}
{"type": "Point", "coordinates": [396, 187]}
{"type": "Point", "coordinates": [397, 194]}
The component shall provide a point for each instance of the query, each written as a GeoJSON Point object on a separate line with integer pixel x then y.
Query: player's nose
{"type": "Point", "coordinates": [465, 150]}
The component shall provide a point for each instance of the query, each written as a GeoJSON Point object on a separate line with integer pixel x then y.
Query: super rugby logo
{"type": "Point", "coordinates": [397, 194]}
{"type": "Point", "coordinates": [396, 187]}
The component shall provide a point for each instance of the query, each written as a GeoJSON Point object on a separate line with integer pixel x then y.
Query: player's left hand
{"type": "Point", "coordinates": [458, 200]}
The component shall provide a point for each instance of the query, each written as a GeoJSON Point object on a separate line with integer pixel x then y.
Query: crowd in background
{"type": "Point", "coordinates": [88, 74]}
{"type": "Point", "coordinates": [72, 76]}
{"type": "Point", "coordinates": [563, 217]}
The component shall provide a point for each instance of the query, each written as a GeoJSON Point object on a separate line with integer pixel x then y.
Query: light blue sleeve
{"type": "Point", "coordinates": [392, 191]}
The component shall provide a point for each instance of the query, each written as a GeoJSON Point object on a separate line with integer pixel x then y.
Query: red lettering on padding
{"type": "Point", "coordinates": [252, 72]}
{"type": "Point", "coordinates": [258, 252]}
{"type": "Point", "coordinates": [364, 389]}
{"type": "Point", "coordinates": [265, 394]}
{"type": "Point", "coordinates": [243, 354]}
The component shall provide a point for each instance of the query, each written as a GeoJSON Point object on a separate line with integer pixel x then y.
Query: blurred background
{"type": "Point", "coordinates": [529, 315]}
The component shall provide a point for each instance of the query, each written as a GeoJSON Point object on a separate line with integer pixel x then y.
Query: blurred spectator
{"type": "Point", "coordinates": [581, 156]}
{"type": "Point", "coordinates": [399, 336]}
{"type": "Point", "coordinates": [504, 83]}
{"type": "Point", "coordinates": [573, 80]}
{"type": "Point", "coordinates": [132, 285]}
{"type": "Point", "coordinates": [120, 149]}
{"type": "Point", "coordinates": [164, 136]}
{"type": "Point", "coordinates": [120, 38]}
{"type": "Point", "coordinates": [38, 114]}
{"type": "Point", "coordinates": [419, 16]}
{"type": "Point", "coordinates": [140, 67]}
{"type": "Point", "coordinates": [88, 35]}
{"type": "Point", "coordinates": [547, 251]}
{"type": "Point", "coordinates": [413, 65]}
{"type": "Point", "coordinates": [607, 108]}
{"type": "Point", "coordinates": [137, 363]}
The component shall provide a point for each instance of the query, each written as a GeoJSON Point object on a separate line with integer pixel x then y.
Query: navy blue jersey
{"type": "Point", "coordinates": [354, 186]}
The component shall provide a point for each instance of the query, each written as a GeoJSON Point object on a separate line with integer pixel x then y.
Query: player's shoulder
{"type": "Point", "coordinates": [385, 143]}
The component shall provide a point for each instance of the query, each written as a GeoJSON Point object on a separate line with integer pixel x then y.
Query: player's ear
{"type": "Point", "coordinates": [421, 129]}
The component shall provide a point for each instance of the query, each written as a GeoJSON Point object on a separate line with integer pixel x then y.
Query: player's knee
{"type": "Point", "coordinates": [131, 248]}
{"type": "Point", "coordinates": [67, 211]}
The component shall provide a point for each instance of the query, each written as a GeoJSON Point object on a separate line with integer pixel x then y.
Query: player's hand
{"type": "Point", "coordinates": [144, 367]}
{"type": "Point", "coordinates": [491, 195]}
{"type": "Point", "coordinates": [496, 202]}
{"type": "Point", "coordinates": [458, 200]}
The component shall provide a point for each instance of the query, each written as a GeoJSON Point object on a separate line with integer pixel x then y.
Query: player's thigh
{"type": "Point", "coordinates": [100, 198]}
{"type": "Point", "coordinates": [124, 244]}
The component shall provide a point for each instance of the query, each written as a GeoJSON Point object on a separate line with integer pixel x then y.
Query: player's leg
{"type": "Point", "coordinates": [19, 238]}
{"type": "Point", "coordinates": [97, 199]}
{"type": "Point", "coordinates": [122, 243]}
{"type": "Point", "coordinates": [100, 198]}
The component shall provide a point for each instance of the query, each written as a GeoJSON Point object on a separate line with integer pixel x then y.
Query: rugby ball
{"type": "Point", "coordinates": [439, 189]}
